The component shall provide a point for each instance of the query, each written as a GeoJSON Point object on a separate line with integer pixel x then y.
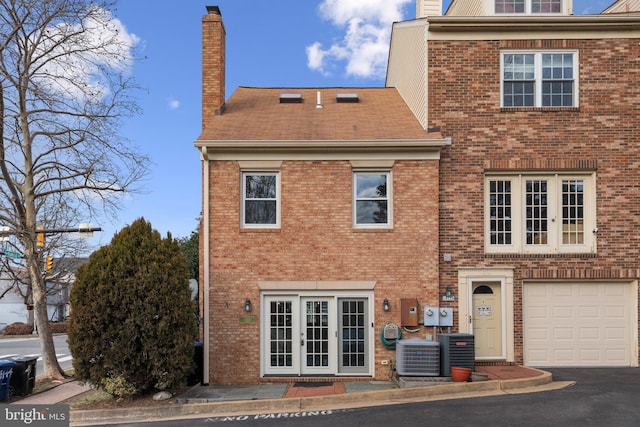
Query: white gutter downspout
{"type": "Point", "coordinates": [205, 260]}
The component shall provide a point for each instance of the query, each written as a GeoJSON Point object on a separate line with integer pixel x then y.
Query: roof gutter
{"type": "Point", "coordinates": [325, 150]}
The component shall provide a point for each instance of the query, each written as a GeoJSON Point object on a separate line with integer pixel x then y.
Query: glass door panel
{"type": "Point", "coordinates": [318, 336]}
{"type": "Point", "coordinates": [353, 342]}
{"type": "Point", "coordinates": [281, 333]}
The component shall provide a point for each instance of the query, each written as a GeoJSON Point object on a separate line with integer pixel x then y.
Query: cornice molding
{"type": "Point", "coordinates": [534, 23]}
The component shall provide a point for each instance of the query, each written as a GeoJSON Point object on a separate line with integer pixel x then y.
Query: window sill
{"type": "Point", "coordinates": [260, 230]}
{"type": "Point", "coordinates": [553, 255]}
{"type": "Point", "coordinates": [373, 230]}
{"type": "Point", "coordinates": [539, 109]}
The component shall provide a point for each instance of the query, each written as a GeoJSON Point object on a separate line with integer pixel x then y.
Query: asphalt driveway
{"type": "Point", "coordinates": [600, 397]}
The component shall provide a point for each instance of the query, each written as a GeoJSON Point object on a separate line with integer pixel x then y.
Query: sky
{"type": "Point", "coordinates": [278, 43]}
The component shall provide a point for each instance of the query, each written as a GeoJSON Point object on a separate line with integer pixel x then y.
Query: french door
{"type": "Point", "coordinates": [316, 335]}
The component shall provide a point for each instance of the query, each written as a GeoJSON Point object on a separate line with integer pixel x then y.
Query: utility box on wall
{"type": "Point", "coordinates": [409, 312]}
{"type": "Point", "coordinates": [431, 316]}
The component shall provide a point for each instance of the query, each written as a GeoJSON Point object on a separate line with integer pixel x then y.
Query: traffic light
{"type": "Point", "coordinates": [40, 236]}
{"type": "Point", "coordinates": [48, 263]}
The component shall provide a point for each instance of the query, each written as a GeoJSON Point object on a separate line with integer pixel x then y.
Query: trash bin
{"type": "Point", "coordinates": [6, 369]}
{"type": "Point", "coordinates": [23, 379]}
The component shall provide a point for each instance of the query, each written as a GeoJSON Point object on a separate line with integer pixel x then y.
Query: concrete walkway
{"type": "Point", "coordinates": [203, 401]}
{"type": "Point", "coordinates": [56, 394]}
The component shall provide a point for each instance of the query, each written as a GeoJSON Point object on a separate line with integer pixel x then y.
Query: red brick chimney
{"type": "Point", "coordinates": [213, 64]}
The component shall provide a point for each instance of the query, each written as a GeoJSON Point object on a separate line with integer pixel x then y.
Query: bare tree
{"type": "Point", "coordinates": [65, 86]}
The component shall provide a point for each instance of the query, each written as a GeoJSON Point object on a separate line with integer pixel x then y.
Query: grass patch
{"type": "Point", "coordinates": [89, 399]}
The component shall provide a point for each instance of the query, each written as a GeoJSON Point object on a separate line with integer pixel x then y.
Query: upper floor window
{"type": "Point", "coordinates": [261, 199]}
{"type": "Point", "coordinates": [372, 199]}
{"type": "Point", "coordinates": [528, 6]}
{"type": "Point", "coordinates": [540, 213]}
{"type": "Point", "coordinates": [539, 79]}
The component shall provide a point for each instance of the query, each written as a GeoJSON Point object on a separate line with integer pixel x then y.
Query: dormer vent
{"type": "Point", "coordinates": [290, 98]}
{"type": "Point", "coordinates": [346, 98]}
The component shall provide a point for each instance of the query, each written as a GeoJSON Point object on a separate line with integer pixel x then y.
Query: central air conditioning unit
{"type": "Point", "coordinates": [418, 357]}
{"type": "Point", "coordinates": [458, 350]}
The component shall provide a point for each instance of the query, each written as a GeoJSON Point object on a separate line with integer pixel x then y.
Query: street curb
{"type": "Point", "coordinates": [339, 401]}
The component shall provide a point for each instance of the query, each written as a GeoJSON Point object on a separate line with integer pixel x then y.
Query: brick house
{"type": "Point", "coordinates": [331, 212]}
{"type": "Point", "coordinates": [539, 191]}
{"type": "Point", "coordinates": [320, 211]}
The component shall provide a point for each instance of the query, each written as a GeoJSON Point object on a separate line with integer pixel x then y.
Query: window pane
{"type": "Point", "coordinates": [353, 333]}
{"type": "Point", "coordinates": [519, 94]}
{"type": "Point", "coordinates": [545, 6]}
{"type": "Point", "coordinates": [280, 337]}
{"type": "Point", "coordinates": [557, 94]}
{"type": "Point", "coordinates": [260, 186]}
{"type": "Point", "coordinates": [518, 66]}
{"type": "Point", "coordinates": [536, 215]}
{"type": "Point", "coordinates": [573, 212]}
{"type": "Point", "coordinates": [371, 186]}
{"type": "Point", "coordinates": [509, 6]}
{"type": "Point", "coordinates": [317, 333]}
{"type": "Point", "coordinates": [370, 212]}
{"type": "Point", "coordinates": [260, 212]}
{"type": "Point", "coordinates": [500, 212]}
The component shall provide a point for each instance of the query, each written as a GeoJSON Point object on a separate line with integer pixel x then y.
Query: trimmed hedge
{"type": "Point", "coordinates": [18, 329]}
{"type": "Point", "coordinates": [58, 327]}
{"type": "Point", "coordinates": [27, 329]}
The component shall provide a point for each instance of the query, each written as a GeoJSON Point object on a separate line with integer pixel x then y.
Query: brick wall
{"type": "Point", "coordinates": [464, 100]}
{"type": "Point", "coordinates": [316, 241]}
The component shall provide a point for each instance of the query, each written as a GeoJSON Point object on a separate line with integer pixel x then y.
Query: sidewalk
{"type": "Point", "coordinates": [203, 401]}
{"type": "Point", "coordinates": [54, 395]}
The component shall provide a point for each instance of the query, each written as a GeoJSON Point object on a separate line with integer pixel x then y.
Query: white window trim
{"type": "Point", "coordinates": [518, 242]}
{"type": "Point", "coordinates": [244, 173]}
{"type": "Point", "coordinates": [538, 76]}
{"type": "Point", "coordinates": [389, 174]}
{"type": "Point", "coordinates": [528, 9]}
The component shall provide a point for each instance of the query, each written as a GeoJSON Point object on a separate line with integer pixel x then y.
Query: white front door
{"type": "Point", "coordinates": [316, 335]}
{"type": "Point", "coordinates": [487, 319]}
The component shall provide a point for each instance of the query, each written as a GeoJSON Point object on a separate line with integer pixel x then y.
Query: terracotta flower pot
{"type": "Point", "coordinates": [460, 375]}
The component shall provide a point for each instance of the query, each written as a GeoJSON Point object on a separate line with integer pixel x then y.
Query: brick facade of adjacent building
{"type": "Point", "coordinates": [601, 134]}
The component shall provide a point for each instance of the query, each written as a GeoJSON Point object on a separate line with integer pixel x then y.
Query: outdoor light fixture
{"type": "Point", "coordinates": [247, 305]}
{"type": "Point", "coordinates": [385, 305]}
{"type": "Point", "coordinates": [448, 295]}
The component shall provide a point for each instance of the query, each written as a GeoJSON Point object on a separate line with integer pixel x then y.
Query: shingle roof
{"type": "Point", "coordinates": [256, 114]}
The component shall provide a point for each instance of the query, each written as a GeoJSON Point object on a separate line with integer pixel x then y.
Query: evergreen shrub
{"type": "Point", "coordinates": [132, 328]}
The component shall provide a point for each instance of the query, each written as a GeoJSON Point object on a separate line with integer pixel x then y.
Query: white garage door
{"type": "Point", "coordinates": [579, 324]}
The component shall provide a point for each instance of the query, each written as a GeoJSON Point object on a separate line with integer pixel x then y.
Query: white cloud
{"type": "Point", "coordinates": [173, 104]}
{"type": "Point", "coordinates": [365, 45]}
{"type": "Point", "coordinates": [78, 58]}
